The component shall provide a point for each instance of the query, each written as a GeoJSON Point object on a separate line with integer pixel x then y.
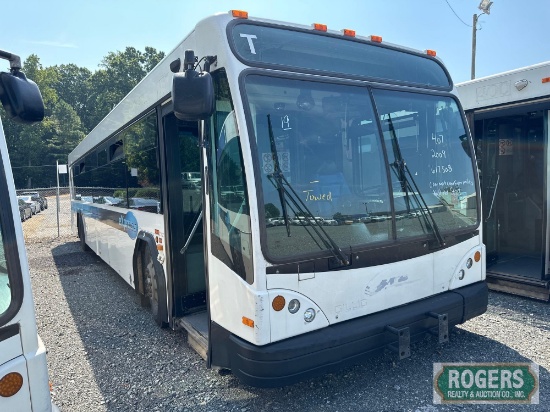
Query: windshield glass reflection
{"type": "Point", "coordinates": [330, 151]}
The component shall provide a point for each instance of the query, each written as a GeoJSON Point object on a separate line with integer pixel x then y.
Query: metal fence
{"type": "Point", "coordinates": [53, 221]}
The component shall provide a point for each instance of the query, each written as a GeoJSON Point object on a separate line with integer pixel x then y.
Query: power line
{"type": "Point", "coordinates": [457, 16]}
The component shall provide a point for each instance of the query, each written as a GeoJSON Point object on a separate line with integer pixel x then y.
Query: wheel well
{"type": "Point", "coordinates": [138, 267]}
{"type": "Point", "coordinates": [145, 239]}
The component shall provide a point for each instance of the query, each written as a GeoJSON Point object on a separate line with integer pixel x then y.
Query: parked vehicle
{"type": "Point", "coordinates": [191, 180]}
{"type": "Point", "coordinates": [112, 201]}
{"type": "Point", "coordinates": [37, 197]}
{"type": "Point", "coordinates": [25, 210]}
{"type": "Point", "coordinates": [145, 204]}
{"type": "Point", "coordinates": [34, 205]}
{"type": "Point", "coordinates": [274, 221]}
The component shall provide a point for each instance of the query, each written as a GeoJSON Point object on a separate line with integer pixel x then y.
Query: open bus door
{"type": "Point", "coordinates": [184, 216]}
{"type": "Point", "coordinates": [512, 150]}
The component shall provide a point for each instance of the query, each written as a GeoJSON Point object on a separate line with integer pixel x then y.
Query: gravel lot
{"type": "Point", "coordinates": [105, 353]}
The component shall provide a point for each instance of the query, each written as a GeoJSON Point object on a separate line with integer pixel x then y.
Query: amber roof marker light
{"type": "Point", "coordinates": [319, 27]}
{"type": "Point", "coordinates": [240, 14]}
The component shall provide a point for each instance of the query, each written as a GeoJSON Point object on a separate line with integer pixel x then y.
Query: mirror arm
{"type": "Point", "coordinates": [15, 61]}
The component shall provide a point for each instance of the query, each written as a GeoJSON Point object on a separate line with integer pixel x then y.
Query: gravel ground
{"type": "Point", "coordinates": [105, 353]}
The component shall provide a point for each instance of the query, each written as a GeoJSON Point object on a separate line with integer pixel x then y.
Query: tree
{"type": "Point", "coordinates": [271, 211]}
{"type": "Point", "coordinates": [120, 72]}
{"type": "Point", "coordinates": [75, 101]}
{"type": "Point", "coordinates": [73, 86]}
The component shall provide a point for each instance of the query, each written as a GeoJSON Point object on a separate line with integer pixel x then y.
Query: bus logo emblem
{"type": "Point", "coordinates": [129, 224]}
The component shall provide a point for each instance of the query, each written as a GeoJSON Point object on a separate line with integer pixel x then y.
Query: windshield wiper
{"type": "Point", "coordinates": [405, 177]}
{"type": "Point", "coordinates": [277, 175]}
{"type": "Point", "coordinates": [287, 195]}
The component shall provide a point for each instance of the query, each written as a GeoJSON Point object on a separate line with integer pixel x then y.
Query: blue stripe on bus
{"type": "Point", "coordinates": [125, 222]}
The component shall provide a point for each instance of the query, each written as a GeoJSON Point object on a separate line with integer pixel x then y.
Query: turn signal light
{"type": "Point", "coordinates": [248, 322]}
{"type": "Point", "coordinates": [278, 303]}
{"type": "Point", "coordinates": [477, 256]}
{"type": "Point", "coordinates": [10, 384]}
{"type": "Point", "coordinates": [240, 14]}
{"type": "Point", "coordinates": [546, 80]}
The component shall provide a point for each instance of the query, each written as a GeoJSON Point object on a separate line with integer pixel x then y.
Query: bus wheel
{"type": "Point", "coordinates": [81, 234]}
{"type": "Point", "coordinates": [153, 289]}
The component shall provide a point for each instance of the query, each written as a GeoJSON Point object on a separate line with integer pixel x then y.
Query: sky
{"type": "Point", "coordinates": [84, 32]}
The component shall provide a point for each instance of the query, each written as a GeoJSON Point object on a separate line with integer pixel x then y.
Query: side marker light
{"type": "Point", "coordinates": [10, 384]}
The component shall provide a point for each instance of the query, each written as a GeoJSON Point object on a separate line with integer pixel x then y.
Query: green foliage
{"type": "Point", "coordinates": [75, 99]}
{"type": "Point", "coordinates": [271, 211]}
{"type": "Point", "coordinates": [147, 192]}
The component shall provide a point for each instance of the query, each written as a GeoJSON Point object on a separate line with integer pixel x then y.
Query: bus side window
{"type": "Point", "coordinates": [231, 240]}
{"type": "Point", "coordinates": [11, 280]}
{"type": "Point", "coordinates": [5, 291]}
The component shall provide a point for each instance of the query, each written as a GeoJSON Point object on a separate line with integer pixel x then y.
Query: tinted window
{"type": "Point", "coordinates": [329, 151]}
{"type": "Point", "coordinates": [313, 51]}
{"type": "Point", "coordinates": [5, 291]}
{"type": "Point", "coordinates": [430, 162]}
{"type": "Point", "coordinates": [131, 177]}
{"type": "Point", "coordinates": [11, 285]}
{"type": "Point", "coordinates": [231, 240]}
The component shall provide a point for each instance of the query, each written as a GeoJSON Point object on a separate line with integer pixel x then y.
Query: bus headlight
{"type": "Point", "coordinates": [294, 306]}
{"type": "Point", "coordinates": [309, 315]}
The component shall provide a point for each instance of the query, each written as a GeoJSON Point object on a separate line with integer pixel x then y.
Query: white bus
{"type": "Point", "coordinates": [23, 370]}
{"type": "Point", "coordinates": [508, 115]}
{"type": "Point", "coordinates": [306, 125]}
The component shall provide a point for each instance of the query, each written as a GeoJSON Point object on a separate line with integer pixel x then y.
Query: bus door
{"type": "Point", "coordinates": [183, 212]}
{"type": "Point", "coordinates": [512, 152]}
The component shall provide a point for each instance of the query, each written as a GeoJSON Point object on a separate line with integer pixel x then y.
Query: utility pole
{"type": "Point", "coordinates": [485, 7]}
{"type": "Point", "coordinates": [474, 29]}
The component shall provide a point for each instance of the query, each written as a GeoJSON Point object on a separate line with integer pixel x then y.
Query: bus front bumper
{"type": "Point", "coordinates": [325, 350]}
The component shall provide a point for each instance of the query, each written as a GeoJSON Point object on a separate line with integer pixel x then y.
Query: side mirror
{"type": "Point", "coordinates": [192, 92]}
{"type": "Point", "coordinates": [21, 98]}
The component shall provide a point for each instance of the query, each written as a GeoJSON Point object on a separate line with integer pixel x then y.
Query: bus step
{"type": "Point", "coordinates": [196, 326]}
{"type": "Point", "coordinates": [443, 327]}
{"type": "Point", "coordinates": [403, 347]}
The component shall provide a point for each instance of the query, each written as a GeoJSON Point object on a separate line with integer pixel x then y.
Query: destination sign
{"type": "Point", "coordinates": [309, 51]}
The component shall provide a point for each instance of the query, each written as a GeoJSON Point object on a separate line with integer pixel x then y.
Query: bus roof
{"type": "Point", "coordinates": [521, 84]}
{"type": "Point", "coordinates": [156, 86]}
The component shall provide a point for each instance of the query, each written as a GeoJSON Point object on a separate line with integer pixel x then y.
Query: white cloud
{"type": "Point", "coordinates": [54, 44]}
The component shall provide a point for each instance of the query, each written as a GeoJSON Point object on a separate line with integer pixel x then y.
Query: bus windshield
{"type": "Point", "coordinates": [332, 143]}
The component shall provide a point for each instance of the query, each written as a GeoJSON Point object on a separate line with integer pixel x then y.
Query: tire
{"type": "Point", "coordinates": [153, 287]}
{"type": "Point", "coordinates": [82, 234]}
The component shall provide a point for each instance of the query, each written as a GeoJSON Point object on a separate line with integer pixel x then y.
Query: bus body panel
{"type": "Point", "coordinates": [345, 295]}
{"type": "Point", "coordinates": [231, 299]}
{"type": "Point", "coordinates": [21, 401]}
{"type": "Point", "coordinates": [512, 86]}
{"type": "Point", "coordinates": [346, 343]}
{"type": "Point", "coordinates": [112, 237]}
{"type": "Point", "coordinates": [24, 351]}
